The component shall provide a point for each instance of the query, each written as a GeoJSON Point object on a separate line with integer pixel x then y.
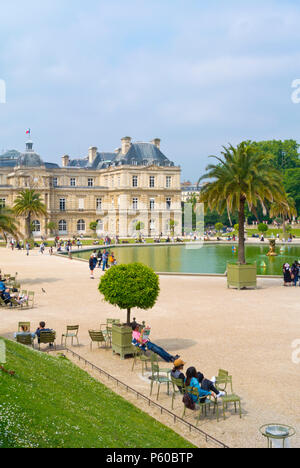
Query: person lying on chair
{"type": "Point", "coordinates": [147, 345]}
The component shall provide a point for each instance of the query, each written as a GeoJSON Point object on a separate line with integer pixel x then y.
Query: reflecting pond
{"type": "Point", "coordinates": [208, 259]}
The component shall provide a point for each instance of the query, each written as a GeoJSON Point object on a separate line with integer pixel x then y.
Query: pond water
{"type": "Point", "coordinates": [208, 259]}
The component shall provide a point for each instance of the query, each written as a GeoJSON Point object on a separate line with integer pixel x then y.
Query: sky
{"type": "Point", "coordinates": [196, 74]}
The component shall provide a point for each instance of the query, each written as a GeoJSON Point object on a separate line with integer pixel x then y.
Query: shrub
{"type": "Point", "coordinates": [128, 286]}
{"type": "Point", "coordinates": [263, 227]}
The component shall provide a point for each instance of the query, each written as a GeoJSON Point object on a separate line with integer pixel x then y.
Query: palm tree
{"type": "Point", "coordinates": [7, 223]}
{"type": "Point", "coordinates": [242, 177]}
{"type": "Point", "coordinates": [29, 203]}
{"type": "Point", "coordinates": [284, 209]}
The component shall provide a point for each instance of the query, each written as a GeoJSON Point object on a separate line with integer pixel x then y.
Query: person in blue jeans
{"type": "Point", "coordinates": [147, 345]}
{"type": "Point", "coordinates": [104, 260]}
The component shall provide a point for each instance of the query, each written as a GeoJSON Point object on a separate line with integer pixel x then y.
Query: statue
{"type": "Point", "coordinates": [272, 252]}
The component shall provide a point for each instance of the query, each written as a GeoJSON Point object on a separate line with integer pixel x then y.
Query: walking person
{"type": "Point", "coordinates": [92, 265]}
{"type": "Point", "coordinates": [27, 248]}
{"type": "Point", "coordinates": [99, 258]}
{"type": "Point", "coordinates": [295, 270]}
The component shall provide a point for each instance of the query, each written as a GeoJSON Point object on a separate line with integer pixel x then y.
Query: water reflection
{"type": "Point", "coordinates": [208, 259]}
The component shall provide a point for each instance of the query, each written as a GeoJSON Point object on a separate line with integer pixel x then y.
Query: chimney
{"type": "Point", "coordinates": [92, 154]}
{"type": "Point", "coordinates": [126, 144]}
{"type": "Point", "coordinates": [65, 160]}
{"type": "Point", "coordinates": [156, 142]}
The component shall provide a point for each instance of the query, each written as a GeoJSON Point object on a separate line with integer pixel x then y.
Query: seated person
{"type": "Point", "coordinates": [209, 386]}
{"type": "Point", "coordinates": [147, 345]}
{"type": "Point", "coordinates": [42, 328]}
{"type": "Point", "coordinates": [177, 372]}
{"type": "Point", "coordinates": [193, 382]}
{"type": "Point", "coordinates": [7, 297]}
{"type": "Point", "coordinates": [2, 287]}
{"type": "Point", "coordinates": [24, 332]}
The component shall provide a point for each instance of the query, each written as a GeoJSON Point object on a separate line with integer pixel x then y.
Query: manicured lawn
{"type": "Point", "coordinates": [52, 403]}
{"type": "Point", "coordinates": [295, 232]}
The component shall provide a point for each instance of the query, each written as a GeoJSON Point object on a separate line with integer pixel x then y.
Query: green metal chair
{"type": "Point", "coordinates": [140, 356]}
{"type": "Point", "coordinates": [178, 388]}
{"type": "Point", "coordinates": [223, 381]}
{"type": "Point", "coordinates": [72, 332]}
{"type": "Point", "coordinates": [26, 325]}
{"type": "Point", "coordinates": [164, 370]}
{"type": "Point", "coordinates": [26, 340]}
{"type": "Point", "coordinates": [158, 378]}
{"type": "Point", "coordinates": [203, 402]}
{"type": "Point", "coordinates": [231, 399]}
{"type": "Point", "coordinates": [97, 337]}
{"type": "Point", "coordinates": [107, 328]}
{"type": "Point", "coordinates": [31, 299]}
{"type": "Point", "coordinates": [47, 337]}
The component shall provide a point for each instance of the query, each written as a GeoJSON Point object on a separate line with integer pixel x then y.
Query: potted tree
{"type": "Point", "coordinates": [242, 176]}
{"type": "Point", "coordinates": [126, 287]}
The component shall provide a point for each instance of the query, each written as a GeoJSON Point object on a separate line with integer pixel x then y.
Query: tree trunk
{"type": "Point", "coordinates": [241, 256]}
{"type": "Point", "coordinates": [28, 226]}
{"type": "Point", "coordinates": [128, 316]}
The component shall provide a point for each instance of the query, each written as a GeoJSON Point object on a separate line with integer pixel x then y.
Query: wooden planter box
{"type": "Point", "coordinates": [241, 276]}
{"type": "Point", "coordinates": [121, 340]}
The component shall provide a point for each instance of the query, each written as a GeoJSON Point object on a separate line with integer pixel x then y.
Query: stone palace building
{"type": "Point", "coordinates": [136, 183]}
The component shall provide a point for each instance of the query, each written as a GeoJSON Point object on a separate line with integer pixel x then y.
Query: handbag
{"type": "Point", "coordinates": [188, 402]}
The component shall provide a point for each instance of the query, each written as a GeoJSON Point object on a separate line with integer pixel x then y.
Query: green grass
{"type": "Point", "coordinates": [295, 232]}
{"type": "Point", "coordinates": [51, 403]}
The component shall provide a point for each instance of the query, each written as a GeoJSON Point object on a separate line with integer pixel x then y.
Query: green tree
{"type": "Point", "coordinates": [29, 203]}
{"type": "Point", "coordinates": [285, 209]}
{"type": "Point", "coordinates": [285, 154]}
{"type": "Point", "coordinates": [262, 227]}
{"type": "Point", "coordinates": [52, 227]}
{"type": "Point", "coordinates": [219, 226]}
{"type": "Point", "coordinates": [242, 176]}
{"type": "Point", "coordinates": [128, 286]}
{"type": "Point", "coordinates": [292, 184]}
{"type": "Point", "coordinates": [8, 223]}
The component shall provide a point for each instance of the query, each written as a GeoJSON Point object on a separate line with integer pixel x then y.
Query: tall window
{"type": "Point", "coordinates": [169, 203]}
{"type": "Point", "coordinates": [90, 182]}
{"type": "Point", "coordinates": [36, 226]}
{"type": "Point", "coordinates": [152, 204]}
{"type": "Point", "coordinates": [81, 203]}
{"type": "Point", "coordinates": [100, 225]}
{"type": "Point", "coordinates": [152, 182]}
{"type": "Point", "coordinates": [2, 202]}
{"type": "Point", "coordinates": [55, 182]}
{"type": "Point", "coordinates": [73, 182]}
{"type": "Point", "coordinates": [62, 227]}
{"type": "Point", "coordinates": [168, 181]}
{"type": "Point", "coordinates": [134, 181]}
{"type": "Point", "coordinates": [62, 204]}
{"type": "Point", "coordinates": [81, 225]}
{"type": "Point", "coordinates": [99, 204]}
{"type": "Point", "coordinates": [135, 203]}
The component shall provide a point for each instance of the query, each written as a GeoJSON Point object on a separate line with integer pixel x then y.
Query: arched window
{"type": "Point", "coordinates": [36, 227]}
{"type": "Point", "coordinates": [62, 227]}
{"type": "Point", "coordinates": [81, 225]}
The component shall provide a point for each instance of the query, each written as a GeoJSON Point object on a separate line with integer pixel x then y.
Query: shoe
{"type": "Point", "coordinates": [221, 394]}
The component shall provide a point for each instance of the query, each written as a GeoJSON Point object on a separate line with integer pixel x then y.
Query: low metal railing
{"type": "Point", "coordinates": [208, 438]}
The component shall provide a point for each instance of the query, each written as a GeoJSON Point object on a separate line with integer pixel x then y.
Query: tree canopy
{"type": "Point", "coordinates": [128, 286]}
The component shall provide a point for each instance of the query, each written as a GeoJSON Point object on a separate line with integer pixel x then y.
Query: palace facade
{"type": "Point", "coordinates": [134, 184]}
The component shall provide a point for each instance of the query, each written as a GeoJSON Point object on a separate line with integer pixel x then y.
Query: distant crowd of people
{"type": "Point", "coordinates": [99, 259]}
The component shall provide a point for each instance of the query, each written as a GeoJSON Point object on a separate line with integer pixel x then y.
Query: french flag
{"type": "Point", "coordinates": [28, 132]}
